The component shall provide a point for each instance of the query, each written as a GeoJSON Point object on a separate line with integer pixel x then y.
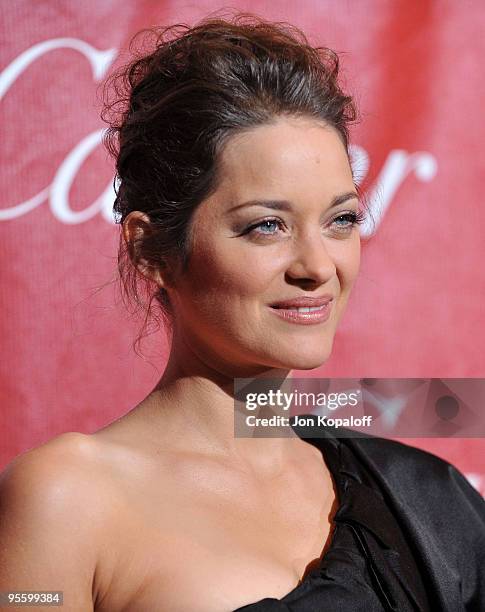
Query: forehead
{"type": "Point", "coordinates": [289, 158]}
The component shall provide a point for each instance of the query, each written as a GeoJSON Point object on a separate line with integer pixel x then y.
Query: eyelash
{"type": "Point", "coordinates": [352, 217]}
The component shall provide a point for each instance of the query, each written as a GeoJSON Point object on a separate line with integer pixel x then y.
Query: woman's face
{"type": "Point", "coordinates": [247, 256]}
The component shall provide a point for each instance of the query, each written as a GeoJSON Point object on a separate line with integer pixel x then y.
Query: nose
{"type": "Point", "coordinates": [311, 262]}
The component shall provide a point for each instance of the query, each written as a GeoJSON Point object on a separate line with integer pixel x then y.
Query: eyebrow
{"type": "Point", "coordinates": [286, 205]}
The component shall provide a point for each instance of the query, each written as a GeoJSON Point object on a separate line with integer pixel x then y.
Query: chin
{"type": "Point", "coordinates": [308, 364]}
{"type": "Point", "coordinates": [303, 358]}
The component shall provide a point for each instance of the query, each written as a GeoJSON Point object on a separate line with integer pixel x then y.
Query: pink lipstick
{"type": "Point", "coordinates": [304, 310]}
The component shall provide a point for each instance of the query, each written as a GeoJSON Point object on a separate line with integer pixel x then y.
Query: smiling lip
{"type": "Point", "coordinates": [290, 310]}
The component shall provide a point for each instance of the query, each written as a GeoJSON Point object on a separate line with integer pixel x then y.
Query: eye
{"type": "Point", "coordinates": [266, 227]}
{"type": "Point", "coordinates": [349, 220]}
{"type": "Point", "coordinates": [270, 226]}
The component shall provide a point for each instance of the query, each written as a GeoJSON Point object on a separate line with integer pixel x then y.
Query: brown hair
{"type": "Point", "coordinates": [176, 105]}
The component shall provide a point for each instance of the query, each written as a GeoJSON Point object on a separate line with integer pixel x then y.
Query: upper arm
{"type": "Point", "coordinates": [50, 522]}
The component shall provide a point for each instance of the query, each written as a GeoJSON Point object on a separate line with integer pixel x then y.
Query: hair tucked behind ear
{"type": "Point", "coordinates": [172, 108]}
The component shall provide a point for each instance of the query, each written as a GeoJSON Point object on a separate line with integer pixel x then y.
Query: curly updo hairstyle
{"type": "Point", "coordinates": [176, 105]}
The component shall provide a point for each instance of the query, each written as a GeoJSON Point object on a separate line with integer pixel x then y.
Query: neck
{"type": "Point", "coordinates": [195, 399]}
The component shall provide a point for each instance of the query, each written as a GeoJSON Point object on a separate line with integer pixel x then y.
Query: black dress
{"type": "Point", "coordinates": [409, 534]}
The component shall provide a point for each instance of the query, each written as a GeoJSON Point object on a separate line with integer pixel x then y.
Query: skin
{"type": "Point", "coordinates": [186, 516]}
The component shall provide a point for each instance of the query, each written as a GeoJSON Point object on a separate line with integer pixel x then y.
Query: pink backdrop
{"type": "Point", "coordinates": [416, 70]}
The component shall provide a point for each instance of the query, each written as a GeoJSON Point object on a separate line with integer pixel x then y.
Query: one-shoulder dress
{"type": "Point", "coordinates": [409, 534]}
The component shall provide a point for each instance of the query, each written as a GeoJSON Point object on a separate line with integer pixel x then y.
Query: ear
{"type": "Point", "coordinates": [136, 228]}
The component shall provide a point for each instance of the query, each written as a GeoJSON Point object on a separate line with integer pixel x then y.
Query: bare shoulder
{"type": "Point", "coordinates": [63, 481]}
{"type": "Point", "coordinates": [54, 499]}
{"type": "Point", "coordinates": [60, 471]}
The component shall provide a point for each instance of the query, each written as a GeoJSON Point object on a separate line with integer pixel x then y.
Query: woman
{"type": "Point", "coordinates": [238, 207]}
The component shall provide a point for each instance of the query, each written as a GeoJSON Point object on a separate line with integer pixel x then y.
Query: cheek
{"type": "Point", "coordinates": [222, 279]}
{"type": "Point", "coordinates": [347, 262]}
{"type": "Point", "coordinates": [220, 297]}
